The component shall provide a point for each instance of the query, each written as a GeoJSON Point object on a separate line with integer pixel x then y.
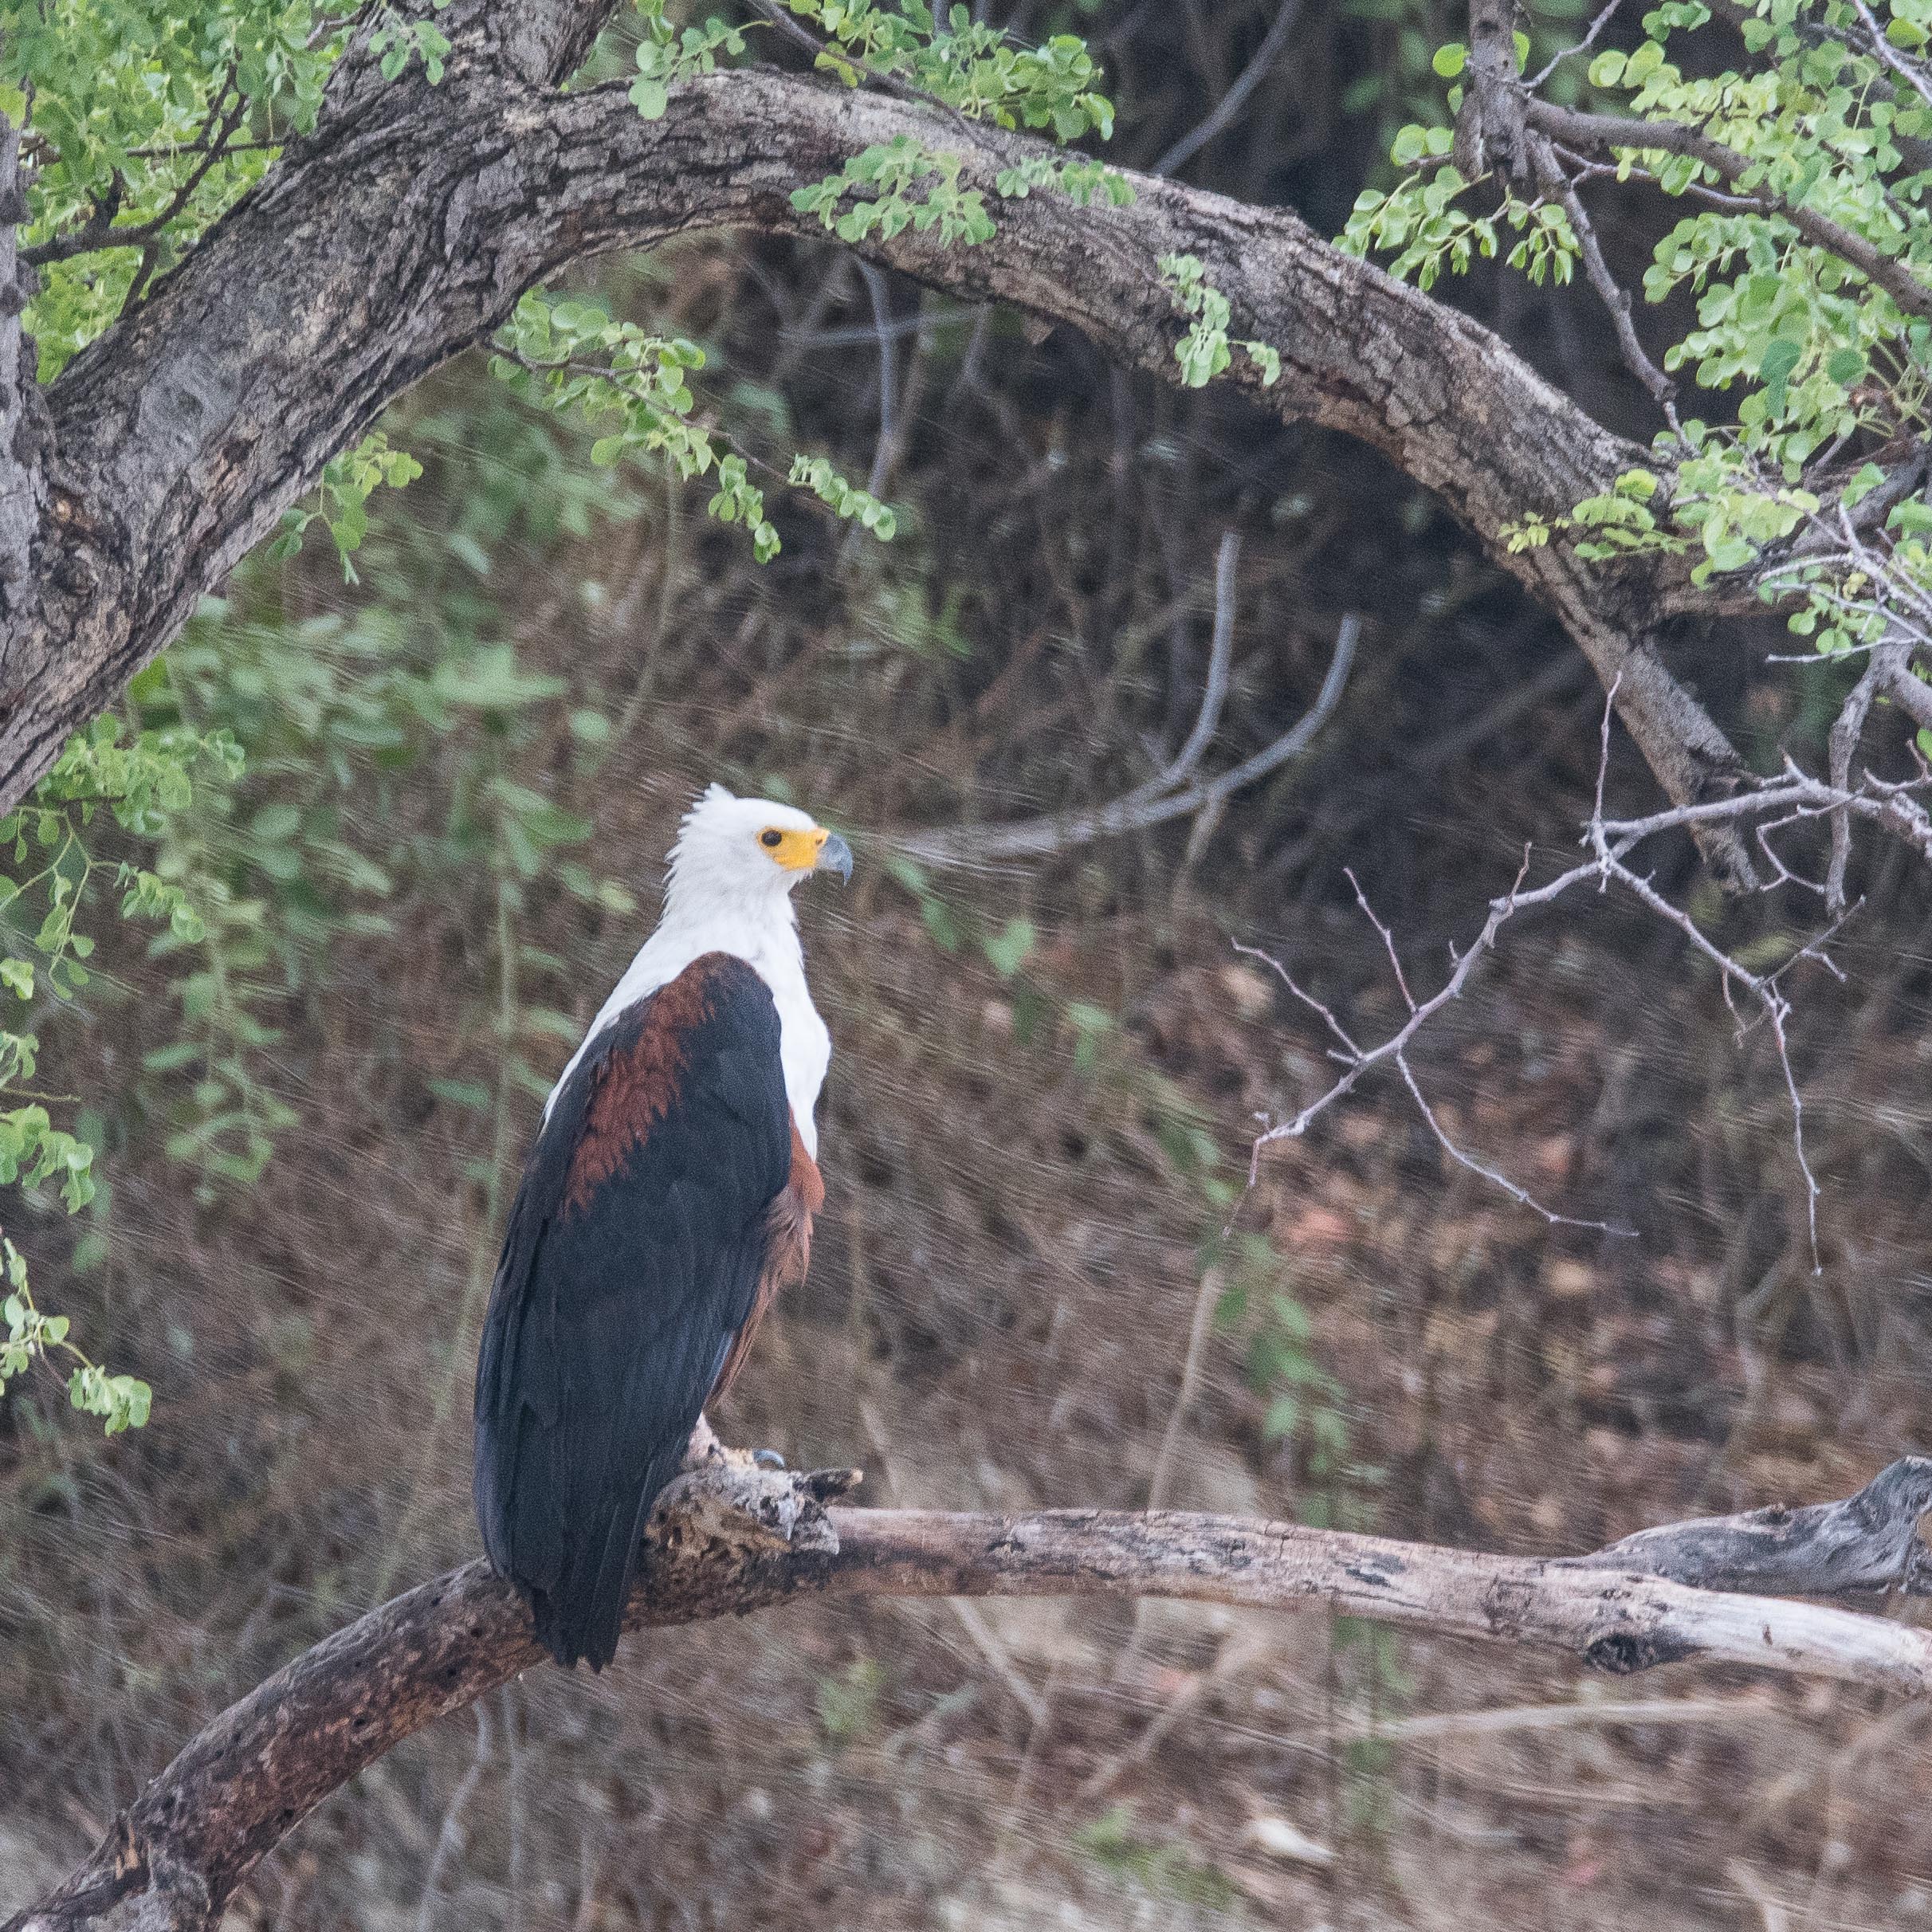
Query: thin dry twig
{"type": "Point", "coordinates": [1231, 103]}
{"type": "Point", "coordinates": [1582, 46]}
{"type": "Point", "coordinates": [1792, 797]}
{"type": "Point", "coordinates": [1612, 292]}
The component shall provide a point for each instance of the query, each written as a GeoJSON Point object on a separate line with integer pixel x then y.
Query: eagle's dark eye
{"type": "Point", "coordinates": [770, 837]}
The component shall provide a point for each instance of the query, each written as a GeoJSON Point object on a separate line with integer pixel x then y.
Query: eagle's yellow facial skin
{"type": "Point", "coordinates": [795, 851]}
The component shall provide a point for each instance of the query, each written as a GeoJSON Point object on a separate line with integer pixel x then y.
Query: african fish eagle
{"type": "Point", "coordinates": [669, 1196]}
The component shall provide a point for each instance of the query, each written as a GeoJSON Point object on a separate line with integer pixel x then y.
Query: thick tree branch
{"type": "Point", "coordinates": [178, 1852]}
{"type": "Point", "coordinates": [22, 490]}
{"type": "Point", "coordinates": [402, 231]}
{"type": "Point", "coordinates": [1490, 137]}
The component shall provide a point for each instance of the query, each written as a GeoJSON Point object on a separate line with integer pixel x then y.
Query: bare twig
{"type": "Point", "coordinates": [1792, 797]}
{"type": "Point", "coordinates": [1220, 662]}
{"type": "Point", "coordinates": [1231, 103]}
{"type": "Point", "coordinates": [1613, 294]}
{"type": "Point", "coordinates": [1208, 1298]}
{"type": "Point", "coordinates": [449, 1838]}
{"type": "Point", "coordinates": [1582, 46]}
{"type": "Point", "coordinates": [895, 328]}
{"type": "Point", "coordinates": [1358, 1061]}
{"type": "Point", "coordinates": [1173, 792]}
{"type": "Point", "coordinates": [1848, 728]}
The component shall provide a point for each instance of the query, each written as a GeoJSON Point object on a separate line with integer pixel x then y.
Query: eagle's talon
{"type": "Point", "coordinates": [739, 1507]}
{"type": "Point", "coordinates": [828, 1485]}
{"type": "Point", "coordinates": [767, 1458]}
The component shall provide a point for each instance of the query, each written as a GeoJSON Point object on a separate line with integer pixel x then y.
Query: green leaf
{"type": "Point", "coordinates": [275, 824]}
{"type": "Point", "coordinates": [1449, 60]}
{"type": "Point", "coordinates": [1009, 949]}
{"type": "Point", "coordinates": [470, 1094]}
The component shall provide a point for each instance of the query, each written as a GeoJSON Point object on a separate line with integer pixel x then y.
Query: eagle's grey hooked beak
{"type": "Point", "coordinates": [835, 856]}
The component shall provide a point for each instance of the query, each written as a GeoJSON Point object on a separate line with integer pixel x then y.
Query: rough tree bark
{"type": "Point", "coordinates": [402, 231]}
{"type": "Point", "coordinates": [727, 1543]}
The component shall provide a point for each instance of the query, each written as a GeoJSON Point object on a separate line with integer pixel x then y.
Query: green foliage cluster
{"type": "Point", "coordinates": [1204, 352]}
{"type": "Point", "coordinates": [973, 70]}
{"type": "Point", "coordinates": [122, 101]}
{"type": "Point", "coordinates": [968, 65]}
{"type": "Point", "coordinates": [146, 782]}
{"type": "Point", "coordinates": [573, 358]}
{"type": "Point", "coordinates": [1307, 1410]}
{"type": "Point", "coordinates": [1423, 224]}
{"type": "Point", "coordinates": [253, 876]}
{"type": "Point", "coordinates": [396, 38]}
{"type": "Point", "coordinates": [1818, 360]}
{"type": "Point", "coordinates": [665, 56]}
{"type": "Point", "coordinates": [121, 1401]}
{"type": "Point", "coordinates": [892, 169]}
{"type": "Point", "coordinates": [348, 481]}
{"type": "Point", "coordinates": [847, 1704]}
{"type": "Point", "coordinates": [1157, 1866]}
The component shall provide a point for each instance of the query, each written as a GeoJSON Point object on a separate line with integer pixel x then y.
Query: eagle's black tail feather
{"type": "Point", "coordinates": [584, 1617]}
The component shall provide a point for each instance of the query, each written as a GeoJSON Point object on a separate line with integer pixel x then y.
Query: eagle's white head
{"type": "Point", "coordinates": [729, 889]}
{"type": "Point", "coordinates": [745, 855]}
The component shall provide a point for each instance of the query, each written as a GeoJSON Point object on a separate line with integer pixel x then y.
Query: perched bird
{"type": "Point", "coordinates": [669, 1196]}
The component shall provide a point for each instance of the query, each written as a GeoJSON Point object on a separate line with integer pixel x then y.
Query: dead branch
{"type": "Point", "coordinates": [1175, 792]}
{"type": "Point", "coordinates": [731, 1542]}
{"type": "Point", "coordinates": [1865, 1542]}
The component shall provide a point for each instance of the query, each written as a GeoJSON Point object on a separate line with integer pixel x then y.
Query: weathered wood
{"type": "Point", "coordinates": [403, 229]}
{"type": "Point", "coordinates": [730, 1543]}
{"type": "Point", "coordinates": [1865, 1542]}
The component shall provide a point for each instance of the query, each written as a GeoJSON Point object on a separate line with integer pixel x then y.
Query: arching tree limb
{"type": "Point", "coordinates": [403, 229]}
{"type": "Point", "coordinates": [182, 1849]}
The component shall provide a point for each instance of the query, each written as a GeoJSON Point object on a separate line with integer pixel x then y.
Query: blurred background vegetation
{"type": "Point", "coordinates": [465, 755]}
